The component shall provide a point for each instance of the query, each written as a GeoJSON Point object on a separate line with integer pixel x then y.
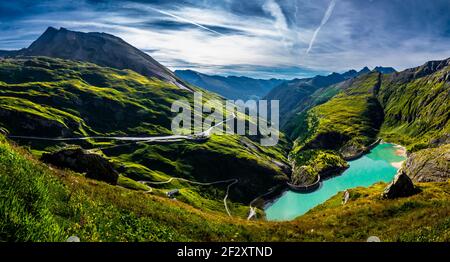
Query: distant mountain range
{"type": "Point", "coordinates": [98, 48]}
{"type": "Point", "coordinates": [111, 51]}
{"type": "Point", "coordinates": [231, 87]}
{"type": "Point", "coordinates": [241, 87]}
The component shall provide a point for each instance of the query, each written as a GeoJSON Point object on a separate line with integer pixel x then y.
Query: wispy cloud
{"type": "Point", "coordinates": [281, 25]}
{"type": "Point", "coordinates": [262, 38]}
{"type": "Point", "coordinates": [325, 19]}
{"type": "Point", "coordinates": [182, 19]}
{"type": "Point", "coordinates": [272, 7]}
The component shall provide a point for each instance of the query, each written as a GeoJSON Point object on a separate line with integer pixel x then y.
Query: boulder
{"type": "Point", "coordinates": [95, 166]}
{"type": "Point", "coordinates": [429, 165]}
{"type": "Point", "coordinates": [402, 186]}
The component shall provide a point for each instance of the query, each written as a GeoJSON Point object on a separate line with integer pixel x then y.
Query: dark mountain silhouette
{"type": "Point", "coordinates": [384, 70]}
{"type": "Point", "coordinates": [231, 87]}
{"type": "Point", "coordinates": [365, 70]}
{"type": "Point", "coordinates": [5, 53]}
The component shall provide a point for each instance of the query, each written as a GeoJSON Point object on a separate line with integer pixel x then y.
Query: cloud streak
{"type": "Point", "coordinates": [185, 20]}
{"type": "Point", "coordinates": [274, 9]}
{"type": "Point", "coordinates": [260, 38]}
{"type": "Point", "coordinates": [325, 19]}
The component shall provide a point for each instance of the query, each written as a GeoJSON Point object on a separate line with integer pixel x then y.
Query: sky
{"type": "Point", "coordinates": [256, 38]}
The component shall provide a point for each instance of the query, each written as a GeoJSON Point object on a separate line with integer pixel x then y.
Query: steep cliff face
{"type": "Point", "coordinates": [416, 104]}
{"type": "Point", "coordinates": [429, 165]}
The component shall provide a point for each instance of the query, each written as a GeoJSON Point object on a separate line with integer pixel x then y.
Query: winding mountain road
{"type": "Point", "coordinates": [232, 181]}
{"type": "Point", "coordinates": [172, 138]}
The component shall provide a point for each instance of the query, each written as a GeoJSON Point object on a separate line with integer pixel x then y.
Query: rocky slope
{"type": "Point", "coordinates": [416, 104]}
{"type": "Point", "coordinates": [429, 165]}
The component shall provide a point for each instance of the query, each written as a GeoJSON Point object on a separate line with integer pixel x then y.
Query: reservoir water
{"type": "Point", "coordinates": [381, 164]}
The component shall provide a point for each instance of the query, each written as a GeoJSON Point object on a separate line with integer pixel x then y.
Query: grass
{"type": "Point", "coordinates": [220, 158]}
{"type": "Point", "coordinates": [28, 194]}
{"type": "Point", "coordinates": [43, 204]}
{"type": "Point", "coordinates": [309, 164]}
{"type": "Point", "coordinates": [354, 116]}
{"type": "Point", "coordinates": [49, 97]}
{"type": "Point", "coordinates": [40, 204]}
{"type": "Point", "coordinates": [416, 111]}
{"type": "Point", "coordinates": [338, 129]}
{"type": "Point", "coordinates": [414, 218]}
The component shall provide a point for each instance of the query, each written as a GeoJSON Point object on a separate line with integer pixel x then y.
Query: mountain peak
{"type": "Point", "coordinates": [364, 70]}
{"type": "Point", "coordinates": [101, 49]}
{"type": "Point", "coordinates": [350, 74]}
{"type": "Point", "coordinates": [384, 70]}
{"type": "Point", "coordinates": [50, 29]}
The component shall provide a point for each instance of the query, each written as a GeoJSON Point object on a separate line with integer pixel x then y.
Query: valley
{"type": "Point", "coordinates": [86, 149]}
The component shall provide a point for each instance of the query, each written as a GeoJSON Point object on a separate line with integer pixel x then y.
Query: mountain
{"type": "Point", "coordinates": [416, 104]}
{"type": "Point", "coordinates": [101, 49]}
{"type": "Point", "coordinates": [61, 98]}
{"type": "Point", "coordinates": [409, 108]}
{"type": "Point", "coordinates": [384, 70]}
{"type": "Point", "coordinates": [5, 53]}
{"type": "Point", "coordinates": [230, 87]}
{"type": "Point", "coordinates": [299, 94]}
{"type": "Point", "coordinates": [365, 70]}
{"type": "Point", "coordinates": [49, 97]}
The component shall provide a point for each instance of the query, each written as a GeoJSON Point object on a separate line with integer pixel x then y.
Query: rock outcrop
{"type": "Point", "coordinates": [95, 166]}
{"type": "Point", "coordinates": [402, 186]}
{"type": "Point", "coordinates": [429, 165]}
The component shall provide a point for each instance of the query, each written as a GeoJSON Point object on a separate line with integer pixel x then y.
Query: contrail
{"type": "Point", "coordinates": [325, 18]}
{"type": "Point", "coordinates": [186, 20]}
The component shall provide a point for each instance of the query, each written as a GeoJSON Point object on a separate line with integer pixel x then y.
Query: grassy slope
{"type": "Point", "coordinates": [292, 128]}
{"type": "Point", "coordinates": [351, 115]}
{"type": "Point", "coordinates": [417, 109]}
{"type": "Point", "coordinates": [42, 204]}
{"type": "Point", "coordinates": [53, 97]}
{"type": "Point", "coordinates": [409, 108]}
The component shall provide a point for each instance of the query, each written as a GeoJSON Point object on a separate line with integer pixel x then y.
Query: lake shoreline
{"type": "Point", "coordinates": [400, 151]}
{"type": "Point", "coordinates": [390, 154]}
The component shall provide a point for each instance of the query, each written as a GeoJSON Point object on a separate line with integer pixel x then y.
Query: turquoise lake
{"type": "Point", "coordinates": [373, 167]}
